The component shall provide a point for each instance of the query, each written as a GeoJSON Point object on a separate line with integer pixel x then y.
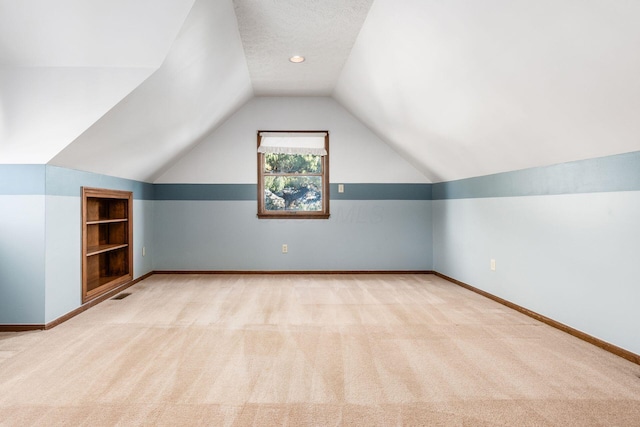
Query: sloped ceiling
{"type": "Point", "coordinates": [203, 79]}
{"type": "Point", "coordinates": [64, 63]}
{"type": "Point", "coordinates": [466, 88]}
{"type": "Point", "coordinates": [459, 88]}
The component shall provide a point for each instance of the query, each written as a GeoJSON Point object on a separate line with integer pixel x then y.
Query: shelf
{"type": "Point", "coordinates": [107, 231]}
{"type": "Point", "coordinates": [103, 280]}
{"type": "Point", "coordinates": [107, 221]}
{"type": "Point", "coordinates": [95, 250]}
{"type": "Point", "coordinates": [93, 286]}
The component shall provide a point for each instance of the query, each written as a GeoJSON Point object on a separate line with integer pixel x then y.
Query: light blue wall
{"type": "Point", "coordinates": [227, 235]}
{"type": "Point", "coordinates": [22, 252]}
{"type": "Point", "coordinates": [63, 281]}
{"type": "Point", "coordinates": [63, 233]}
{"type": "Point", "coordinates": [40, 241]}
{"type": "Point", "coordinates": [566, 245]}
{"type": "Point", "coordinates": [22, 244]}
{"type": "Point", "coordinates": [143, 212]}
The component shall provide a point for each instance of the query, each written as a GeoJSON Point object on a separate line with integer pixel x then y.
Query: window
{"type": "Point", "coordinates": [293, 174]}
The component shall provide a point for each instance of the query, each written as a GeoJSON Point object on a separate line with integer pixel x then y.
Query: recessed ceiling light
{"type": "Point", "coordinates": [297, 59]}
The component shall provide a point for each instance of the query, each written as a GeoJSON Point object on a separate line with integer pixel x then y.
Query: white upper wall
{"type": "Point", "coordinates": [96, 33]}
{"type": "Point", "coordinates": [228, 155]}
{"type": "Point", "coordinates": [64, 63]}
{"type": "Point", "coordinates": [202, 81]}
{"type": "Point", "coordinates": [466, 88]}
{"type": "Point", "coordinates": [43, 109]}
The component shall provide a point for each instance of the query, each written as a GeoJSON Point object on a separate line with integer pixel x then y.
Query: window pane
{"type": "Point", "coordinates": [294, 193]}
{"type": "Point", "coordinates": [292, 163]}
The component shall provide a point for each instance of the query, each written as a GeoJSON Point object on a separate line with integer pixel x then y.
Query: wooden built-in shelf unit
{"type": "Point", "coordinates": [107, 240]}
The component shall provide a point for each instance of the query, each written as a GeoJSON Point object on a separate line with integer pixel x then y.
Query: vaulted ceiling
{"type": "Point", "coordinates": [459, 88]}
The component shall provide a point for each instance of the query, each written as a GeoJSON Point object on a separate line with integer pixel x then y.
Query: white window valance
{"type": "Point", "coordinates": [293, 143]}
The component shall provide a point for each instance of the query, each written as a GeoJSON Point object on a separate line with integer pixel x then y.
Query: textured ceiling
{"type": "Point", "coordinates": [323, 31]}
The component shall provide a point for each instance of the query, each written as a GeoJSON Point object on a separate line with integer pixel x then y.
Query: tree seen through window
{"type": "Point", "coordinates": [293, 182]}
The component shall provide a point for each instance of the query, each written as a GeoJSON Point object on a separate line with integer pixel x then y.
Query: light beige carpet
{"type": "Point", "coordinates": [297, 350]}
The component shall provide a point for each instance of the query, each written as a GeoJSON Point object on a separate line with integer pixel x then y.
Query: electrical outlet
{"type": "Point", "coordinates": [144, 251]}
{"type": "Point", "coordinates": [340, 188]}
{"type": "Point", "coordinates": [285, 249]}
{"type": "Point", "coordinates": [493, 265]}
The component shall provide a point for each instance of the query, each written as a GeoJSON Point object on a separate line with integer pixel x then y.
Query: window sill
{"type": "Point", "coordinates": [293, 215]}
